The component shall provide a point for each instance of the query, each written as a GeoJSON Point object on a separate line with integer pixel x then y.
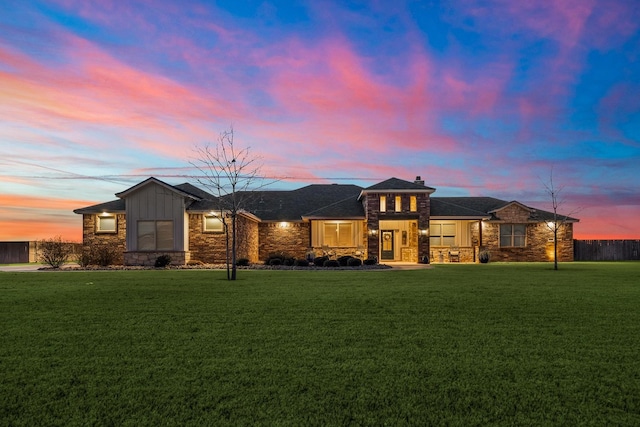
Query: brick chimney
{"type": "Point", "coordinates": [419, 180]}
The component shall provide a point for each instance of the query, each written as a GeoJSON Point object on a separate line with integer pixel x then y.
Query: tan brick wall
{"type": "Point", "coordinates": [292, 240]}
{"type": "Point", "coordinates": [539, 243]}
{"type": "Point", "coordinates": [210, 248]}
{"type": "Point", "coordinates": [115, 241]}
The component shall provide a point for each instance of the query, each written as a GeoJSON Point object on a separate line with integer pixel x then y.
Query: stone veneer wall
{"type": "Point", "coordinates": [148, 259]}
{"type": "Point", "coordinates": [115, 241]}
{"type": "Point", "coordinates": [372, 211]}
{"type": "Point", "coordinates": [210, 248]}
{"type": "Point", "coordinates": [539, 244]}
{"type": "Point", "coordinates": [292, 239]}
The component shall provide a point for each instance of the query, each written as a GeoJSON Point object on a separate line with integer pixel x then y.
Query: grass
{"type": "Point", "coordinates": [500, 344]}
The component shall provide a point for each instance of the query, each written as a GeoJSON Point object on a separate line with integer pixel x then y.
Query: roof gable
{"type": "Point", "coordinates": [398, 184]}
{"type": "Point", "coordinates": [152, 180]}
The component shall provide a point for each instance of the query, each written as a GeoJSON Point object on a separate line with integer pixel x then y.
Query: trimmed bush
{"type": "Point", "coordinates": [289, 261]}
{"type": "Point", "coordinates": [370, 261]}
{"type": "Point", "coordinates": [301, 263]}
{"type": "Point", "coordinates": [242, 262]}
{"type": "Point", "coordinates": [275, 261]}
{"type": "Point", "coordinates": [331, 263]}
{"type": "Point", "coordinates": [354, 262]}
{"type": "Point", "coordinates": [344, 260]}
{"type": "Point", "coordinates": [163, 261]}
{"type": "Point", "coordinates": [54, 251]}
{"type": "Point", "coordinates": [319, 261]}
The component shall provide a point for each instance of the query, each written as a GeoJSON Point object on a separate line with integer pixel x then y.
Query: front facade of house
{"type": "Point", "coordinates": [393, 221]}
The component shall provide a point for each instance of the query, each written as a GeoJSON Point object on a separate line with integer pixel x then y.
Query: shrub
{"type": "Point", "coordinates": [163, 261]}
{"type": "Point", "coordinates": [319, 261]}
{"type": "Point", "coordinates": [484, 256]}
{"type": "Point", "coordinates": [301, 263]}
{"type": "Point", "coordinates": [370, 261]}
{"type": "Point", "coordinates": [103, 255]}
{"type": "Point", "coordinates": [85, 258]}
{"type": "Point", "coordinates": [288, 261]}
{"type": "Point", "coordinates": [354, 262]}
{"type": "Point", "coordinates": [242, 262]}
{"type": "Point", "coordinates": [54, 251]}
{"type": "Point", "coordinates": [275, 261]}
{"type": "Point", "coordinates": [344, 260]}
{"type": "Point", "coordinates": [331, 263]}
{"type": "Point", "coordinates": [281, 256]}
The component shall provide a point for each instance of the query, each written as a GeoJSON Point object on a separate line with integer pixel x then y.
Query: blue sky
{"type": "Point", "coordinates": [480, 98]}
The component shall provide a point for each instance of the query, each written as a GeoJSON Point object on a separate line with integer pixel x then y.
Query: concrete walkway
{"type": "Point", "coordinates": [23, 267]}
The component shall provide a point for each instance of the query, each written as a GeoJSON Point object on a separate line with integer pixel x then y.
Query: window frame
{"type": "Point", "coordinates": [398, 204]}
{"type": "Point", "coordinates": [102, 217]}
{"type": "Point", "coordinates": [205, 229]}
{"type": "Point", "coordinates": [383, 203]}
{"type": "Point", "coordinates": [158, 224]}
{"type": "Point", "coordinates": [513, 237]}
{"type": "Point", "coordinates": [413, 203]}
{"type": "Point", "coordinates": [452, 238]}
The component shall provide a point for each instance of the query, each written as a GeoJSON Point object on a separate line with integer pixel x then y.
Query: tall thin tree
{"type": "Point", "coordinates": [233, 175]}
{"type": "Point", "coordinates": [559, 220]}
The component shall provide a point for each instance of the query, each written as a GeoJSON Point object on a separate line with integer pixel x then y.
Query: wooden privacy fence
{"type": "Point", "coordinates": [17, 252]}
{"type": "Point", "coordinates": [606, 250]}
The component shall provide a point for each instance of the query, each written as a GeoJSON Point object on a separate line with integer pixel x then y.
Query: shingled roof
{"type": "Point", "coordinates": [398, 184]}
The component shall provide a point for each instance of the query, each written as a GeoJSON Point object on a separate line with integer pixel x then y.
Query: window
{"type": "Point", "coordinates": [398, 206]}
{"type": "Point", "coordinates": [213, 224]}
{"type": "Point", "coordinates": [513, 235]}
{"type": "Point", "coordinates": [383, 203]}
{"type": "Point", "coordinates": [106, 223]}
{"type": "Point", "coordinates": [338, 234]}
{"type": "Point", "coordinates": [155, 235]}
{"type": "Point", "coordinates": [442, 234]}
{"type": "Point", "coordinates": [413, 204]}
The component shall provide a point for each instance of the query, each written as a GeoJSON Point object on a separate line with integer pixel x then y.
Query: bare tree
{"type": "Point", "coordinates": [232, 174]}
{"type": "Point", "coordinates": [554, 191]}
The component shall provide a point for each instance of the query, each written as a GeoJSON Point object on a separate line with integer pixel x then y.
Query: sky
{"type": "Point", "coordinates": [479, 98]}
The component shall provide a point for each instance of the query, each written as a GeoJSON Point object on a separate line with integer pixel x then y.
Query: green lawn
{"type": "Point", "coordinates": [500, 344]}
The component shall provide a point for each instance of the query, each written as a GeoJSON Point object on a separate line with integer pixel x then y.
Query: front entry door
{"type": "Point", "coordinates": [386, 238]}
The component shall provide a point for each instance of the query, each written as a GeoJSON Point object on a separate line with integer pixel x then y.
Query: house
{"type": "Point", "coordinates": [394, 220]}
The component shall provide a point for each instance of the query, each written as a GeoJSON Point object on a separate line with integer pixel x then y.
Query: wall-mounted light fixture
{"type": "Point", "coordinates": [424, 231]}
{"type": "Point", "coordinates": [284, 224]}
{"type": "Point", "coordinates": [373, 232]}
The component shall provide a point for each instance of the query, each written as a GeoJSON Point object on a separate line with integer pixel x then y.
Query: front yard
{"type": "Point", "coordinates": [506, 344]}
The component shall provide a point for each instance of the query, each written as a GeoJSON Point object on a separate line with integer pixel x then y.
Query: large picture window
{"type": "Point", "coordinates": [513, 235]}
{"type": "Point", "coordinates": [336, 233]}
{"type": "Point", "coordinates": [106, 223]}
{"type": "Point", "coordinates": [155, 235]}
{"type": "Point", "coordinates": [442, 234]}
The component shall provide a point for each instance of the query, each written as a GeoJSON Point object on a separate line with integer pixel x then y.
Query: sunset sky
{"type": "Point", "coordinates": [480, 98]}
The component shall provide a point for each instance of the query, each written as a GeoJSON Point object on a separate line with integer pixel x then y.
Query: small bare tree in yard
{"type": "Point", "coordinates": [559, 220]}
{"type": "Point", "coordinates": [55, 251]}
{"type": "Point", "coordinates": [232, 174]}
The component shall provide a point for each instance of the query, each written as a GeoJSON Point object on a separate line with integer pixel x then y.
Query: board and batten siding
{"type": "Point", "coordinates": [154, 202]}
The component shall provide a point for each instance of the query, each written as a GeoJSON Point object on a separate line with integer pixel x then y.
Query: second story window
{"type": "Point", "coordinates": [383, 203]}
{"type": "Point", "coordinates": [398, 204]}
{"type": "Point", "coordinates": [413, 204]}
